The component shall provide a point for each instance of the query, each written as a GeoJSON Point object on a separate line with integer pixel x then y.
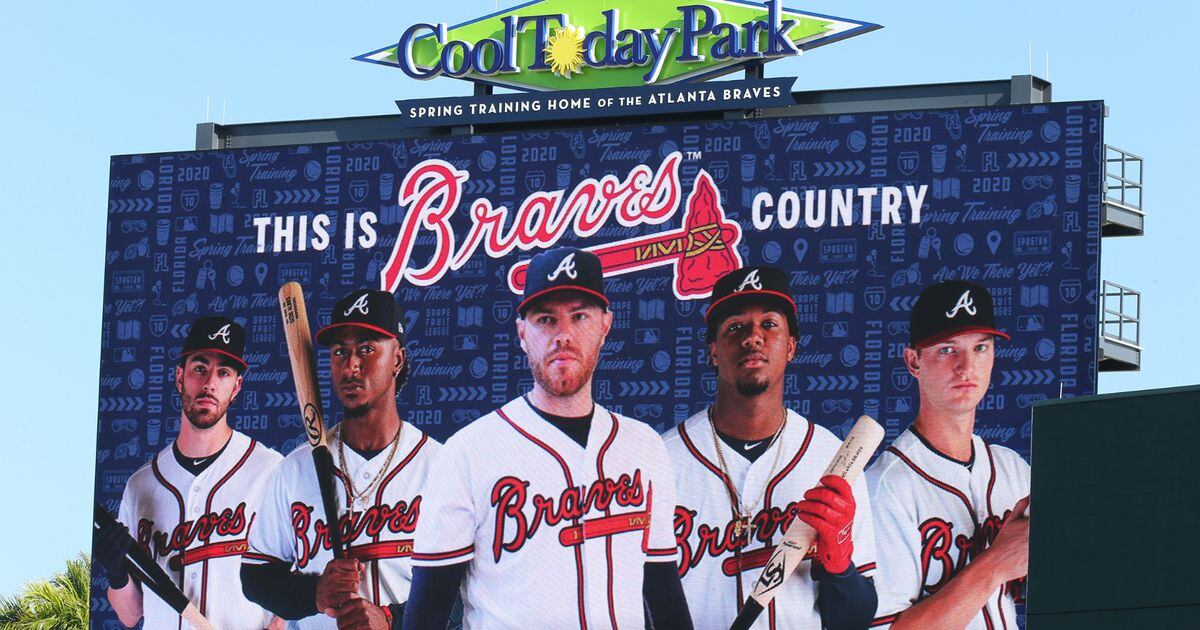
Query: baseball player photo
{"type": "Point", "coordinates": [950, 509]}
{"type": "Point", "coordinates": [551, 511]}
{"type": "Point", "coordinates": [747, 467]}
{"type": "Point", "coordinates": [192, 505]}
{"type": "Point", "coordinates": [381, 464]}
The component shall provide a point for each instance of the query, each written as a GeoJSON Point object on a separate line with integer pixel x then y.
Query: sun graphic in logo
{"type": "Point", "coordinates": [564, 51]}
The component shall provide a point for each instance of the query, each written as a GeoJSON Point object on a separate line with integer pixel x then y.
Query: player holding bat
{"type": "Point", "coordinates": [190, 507]}
{"type": "Point", "coordinates": [949, 508]}
{"type": "Point", "coordinates": [381, 463]}
{"type": "Point", "coordinates": [747, 468]}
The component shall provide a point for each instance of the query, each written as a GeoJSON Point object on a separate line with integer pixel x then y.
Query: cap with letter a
{"type": "Point", "coordinates": [369, 309]}
{"type": "Point", "coordinates": [220, 335]}
{"type": "Point", "coordinates": [950, 308]}
{"type": "Point", "coordinates": [563, 269]}
{"type": "Point", "coordinates": [751, 285]}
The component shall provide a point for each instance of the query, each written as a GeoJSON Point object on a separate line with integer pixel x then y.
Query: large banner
{"type": "Point", "coordinates": [862, 211]}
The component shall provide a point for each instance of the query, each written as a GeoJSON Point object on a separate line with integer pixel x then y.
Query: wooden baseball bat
{"type": "Point", "coordinates": [847, 463]}
{"type": "Point", "coordinates": [308, 394]}
{"type": "Point", "coordinates": [143, 568]}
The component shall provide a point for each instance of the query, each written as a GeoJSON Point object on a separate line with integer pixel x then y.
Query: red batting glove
{"type": "Point", "coordinates": [829, 509]}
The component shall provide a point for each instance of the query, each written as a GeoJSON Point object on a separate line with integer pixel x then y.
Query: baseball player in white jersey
{"type": "Point", "coordinates": [191, 506]}
{"type": "Point", "coordinates": [950, 509]}
{"type": "Point", "coordinates": [746, 467]}
{"type": "Point", "coordinates": [381, 464]}
{"type": "Point", "coordinates": [551, 511]}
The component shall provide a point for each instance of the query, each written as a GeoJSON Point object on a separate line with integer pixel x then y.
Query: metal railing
{"type": "Point", "coordinates": [1123, 178]}
{"type": "Point", "coordinates": [1122, 314]}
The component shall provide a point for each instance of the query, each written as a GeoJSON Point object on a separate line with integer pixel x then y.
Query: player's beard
{"type": "Point", "coordinates": [203, 417]}
{"type": "Point", "coordinates": [751, 386]}
{"type": "Point", "coordinates": [563, 383]}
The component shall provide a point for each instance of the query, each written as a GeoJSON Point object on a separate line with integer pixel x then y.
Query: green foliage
{"type": "Point", "coordinates": [60, 603]}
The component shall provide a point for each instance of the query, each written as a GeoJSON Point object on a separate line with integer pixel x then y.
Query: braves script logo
{"type": "Point", "coordinates": [223, 333]}
{"type": "Point", "coordinates": [944, 553]}
{"type": "Point", "coordinates": [312, 534]}
{"type": "Point", "coordinates": [701, 251]}
{"type": "Point", "coordinates": [567, 266]}
{"type": "Point", "coordinates": [964, 303]}
{"type": "Point", "coordinates": [227, 522]}
{"type": "Point", "coordinates": [514, 528]}
{"type": "Point", "coordinates": [751, 280]}
{"type": "Point", "coordinates": [359, 305]}
{"type": "Point", "coordinates": [719, 541]}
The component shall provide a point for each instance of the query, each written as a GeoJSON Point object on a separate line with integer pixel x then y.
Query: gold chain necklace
{"type": "Point", "coordinates": [354, 496]}
{"type": "Point", "coordinates": [741, 513]}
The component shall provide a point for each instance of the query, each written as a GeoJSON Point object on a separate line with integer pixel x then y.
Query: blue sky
{"type": "Point", "coordinates": [89, 81]}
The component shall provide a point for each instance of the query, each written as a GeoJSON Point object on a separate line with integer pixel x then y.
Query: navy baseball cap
{"type": "Point", "coordinates": [216, 334]}
{"type": "Point", "coordinates": [951, 308]}
{"type": "Point", "coordinates": [563, 269]}
{"type": "Point", "coordinates": [751, 285]}
{"type": "Point", "coordinates": [369, 309]}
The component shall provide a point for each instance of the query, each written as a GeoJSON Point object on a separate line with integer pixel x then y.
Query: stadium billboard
{"type": "Point", "coordinates": [862, 212]}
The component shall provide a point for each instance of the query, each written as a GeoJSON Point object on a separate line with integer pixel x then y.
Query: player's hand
{"type": "Point", "coordinates": [1010, 551]}
{"type": "Point", "coordinates": [360, 614]}
{"type": "Point", "coordinates": [338, 585]}
{"type": "Point", "coordinates": [829, 509]}
{"type": "Point", "coordinates": [111, 543]}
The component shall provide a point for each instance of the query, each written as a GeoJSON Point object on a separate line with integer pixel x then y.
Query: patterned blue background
{"type": "Point", "coordinates": [1014, 204]}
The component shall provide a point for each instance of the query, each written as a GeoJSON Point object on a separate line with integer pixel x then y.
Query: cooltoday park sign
{"type": "Point", "coordinates": [557, 45]}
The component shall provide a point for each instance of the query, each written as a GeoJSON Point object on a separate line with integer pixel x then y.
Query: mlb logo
{"type": "Point", "coordinates": [359, 189]}
{"type": "Point", "coordinates": [874, 298]}
{"type": "Point", "coordinates": [189, 198]}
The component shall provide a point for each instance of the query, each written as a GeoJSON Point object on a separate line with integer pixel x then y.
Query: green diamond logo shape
{"type": "Point", "coordinates": [718, 29]}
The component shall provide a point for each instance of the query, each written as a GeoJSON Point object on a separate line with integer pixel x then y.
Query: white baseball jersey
{"type": "Point", "coordinates": [557, 535]}
{"type": "Point", "coordinates": [195, 527]}
{"type": "Point", "coordinates": [292, 526]}
{"type": "Point", "coordinates": [934, 514]}
{"type": "Point", "coordinates": [719, 569]}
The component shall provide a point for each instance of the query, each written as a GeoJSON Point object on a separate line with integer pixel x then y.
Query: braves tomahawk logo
{"type": "Point", "coordinates": [703, 249]}
{"type": "Point", "coordinates": [566, 266]}
{"type": "Point", "coordinates": [359, 305]}
{"type": "Point", "coordinates": [965, 303]}
{"type": "Point", "coordinates": [223, 333]}
{"type": "Point", "coordinates": [750, 281]}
